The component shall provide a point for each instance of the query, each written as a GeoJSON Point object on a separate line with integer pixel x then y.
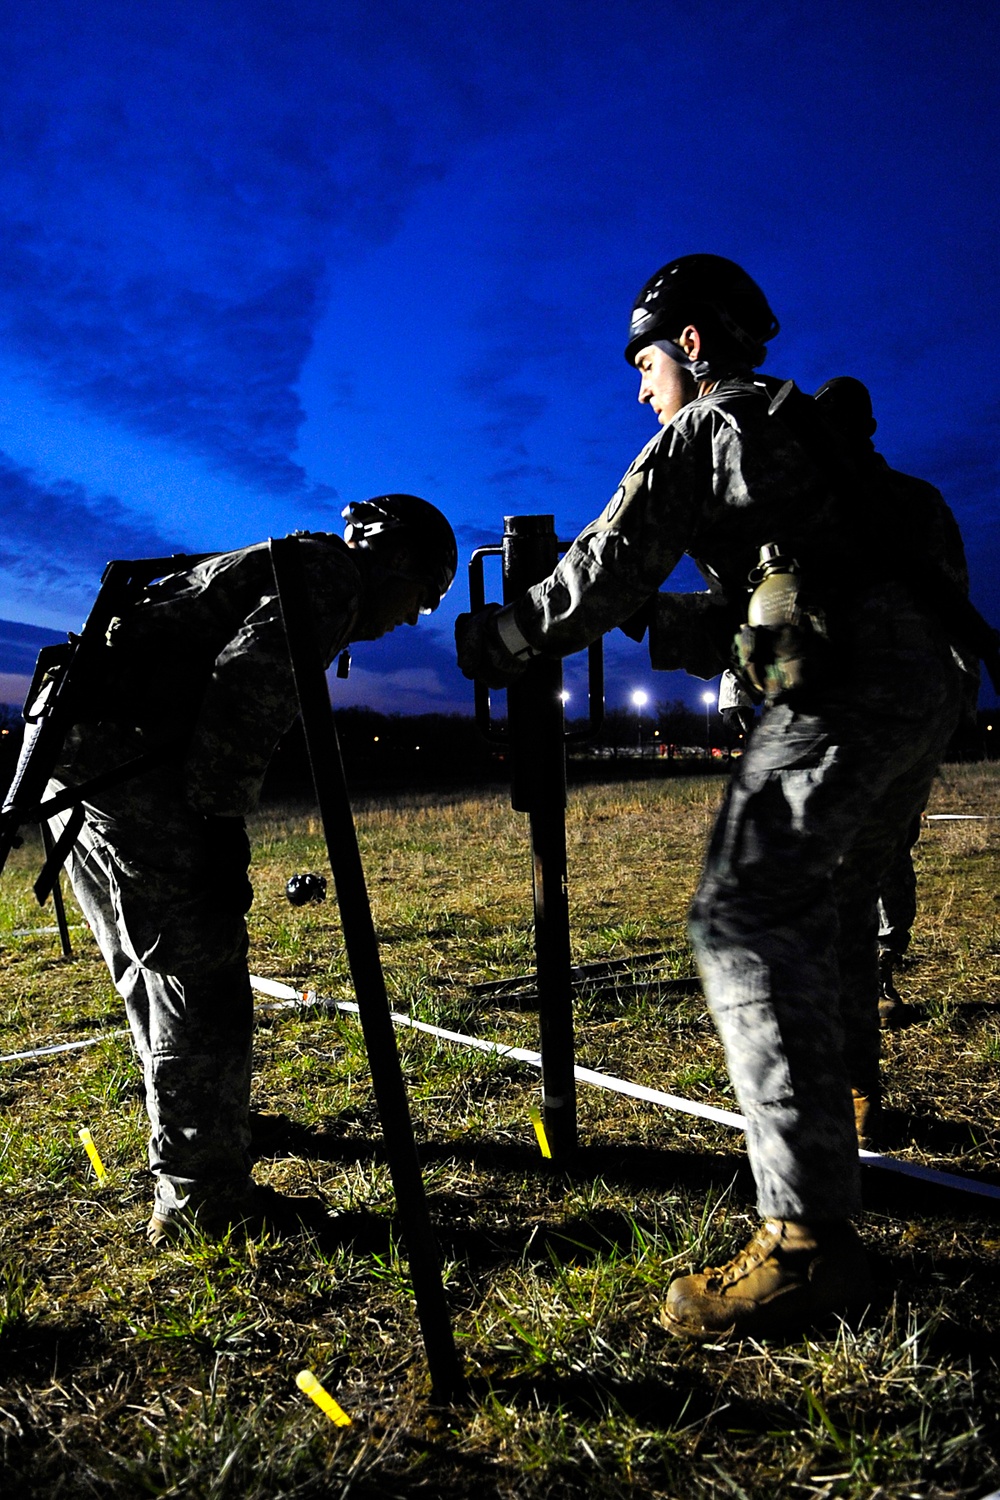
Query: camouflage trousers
{"type": "Point", "coordinates": [168, 918]}
{"type": "Point", "coordinates": [897, 897]}
{"type": "Point", "coordinates": [784, 922]}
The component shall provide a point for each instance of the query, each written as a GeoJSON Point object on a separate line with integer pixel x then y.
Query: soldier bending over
{"type": "Point", "coordinates": [160, 865]}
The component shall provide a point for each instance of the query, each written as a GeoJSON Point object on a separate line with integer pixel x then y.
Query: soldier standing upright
{"type": "Point", "coordinates": [198, 667]}
{"type": "Point", "coordinates": [841, 758]}
{"type": "Point", "coordinates": [923, 509]}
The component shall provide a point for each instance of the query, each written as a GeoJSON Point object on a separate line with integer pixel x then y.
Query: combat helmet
{"type": "Point", "coordinates": [711, 287]}
{"type": "Point", "coordinates": [416, 534]}
{"type": "Point", "coordinates": [848, 402]}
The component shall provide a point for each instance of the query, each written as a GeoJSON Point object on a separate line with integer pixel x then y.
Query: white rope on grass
{"type": "Point", "coordinates": [299, 999]}
{"type": "Point", "coordinates": [91, 1041]}
{"type": "Point", "coordinates": [292, 999]}
{"type": "Point", "coordinates": [960, 818]}
{"type": "Point", "coordinates": [45, 931]}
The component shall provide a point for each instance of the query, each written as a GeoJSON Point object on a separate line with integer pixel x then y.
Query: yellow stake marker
{"type": "Point", "coordinates": [543, 1140]}
{"type": "Point", "coordinates": [91, 1150]}
{"type": "Point", "coordinates": [307, 1382]}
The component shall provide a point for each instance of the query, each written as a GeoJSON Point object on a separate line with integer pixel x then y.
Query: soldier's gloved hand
{"type": "Point", "coordinates": [636, 625]}
{"type": "Point", "coordinates": [482, 655]}
{"type": "Point", "coordinates": [228, 851]}
{"type": "Point", "coordinates": [740, 719]}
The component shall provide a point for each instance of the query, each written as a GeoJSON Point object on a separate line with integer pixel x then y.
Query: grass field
{"type": "Point", "coordinates": [124, 1373]}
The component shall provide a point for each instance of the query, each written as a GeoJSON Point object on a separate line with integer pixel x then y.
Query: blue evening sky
{"type": "Point", "coordinates": [261, 259]}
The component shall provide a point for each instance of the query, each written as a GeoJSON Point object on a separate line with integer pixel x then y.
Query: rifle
{"type": "Point", "coordinates": [856, 482]}
{"type": "Point", "coordinates": [65, 676]}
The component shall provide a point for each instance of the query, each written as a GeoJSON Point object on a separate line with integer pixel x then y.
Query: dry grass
{"type": "Point", "coordinates": [125, 1374]}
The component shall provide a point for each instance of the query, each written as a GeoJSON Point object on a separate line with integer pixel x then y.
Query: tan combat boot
{"type": "Point", "coordinates": [868, 1116]}
{"type": "Point", "coordinates": [789, 1275]}
{"type": "Point", "coordinates": [893, 1011]}
{"type": "Point", "coordinates": [260, 1210]}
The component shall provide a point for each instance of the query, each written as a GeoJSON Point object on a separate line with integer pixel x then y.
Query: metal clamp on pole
{"type": "Point", "coordinates": [535, 739]}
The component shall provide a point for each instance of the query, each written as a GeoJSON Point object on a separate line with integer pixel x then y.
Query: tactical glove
{"type": "Point", "coordinates": [636, 625]}
{"type": "Point", "coordinates": [482, 655]}
{"type": "Point", "coordinates": [740, 719]}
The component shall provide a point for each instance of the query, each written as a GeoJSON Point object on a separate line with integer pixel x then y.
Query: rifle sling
{"type": "Point", "coordinates": [70, 798]}
{"type": "Point", "coordinates": [71, 795]}
{"type": "Point", "coordinates": [49, 873]}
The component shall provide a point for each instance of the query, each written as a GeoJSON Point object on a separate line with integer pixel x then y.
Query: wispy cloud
{"type": "Point", "coordinates": [14, 688]}
{"type": "Point", "coordinates": [519, 473]}
{"type": "Point", "coordinates": [411, 661]}
{"type": "Point", "coordinates": [509, 412]}
{"type": "Point", "coordinates": [175, 198]}
{"type": "Point", "coordinates": [965, 467]}
{"type": "Point", "coordinates": [19, 648]}
{"type": "Point", "coordinates": [407, 691]}
{"type": "Point", "coordinates": [58, 537]}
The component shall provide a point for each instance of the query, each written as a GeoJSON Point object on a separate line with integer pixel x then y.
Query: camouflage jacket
{"type": "Point", "coordinates": [201, 657]}
{"type": "Point", "coordinates": [926, 509]}
{"type": "Point", "coordinates": [694, 631]}
{"type": "Point", "coordinates": [718, 482]}
{"type": "Point", "coordinates": [721, 479]}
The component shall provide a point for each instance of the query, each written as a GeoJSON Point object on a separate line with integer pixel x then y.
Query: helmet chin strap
{"type": "Point", "coordinates": [697, 368]}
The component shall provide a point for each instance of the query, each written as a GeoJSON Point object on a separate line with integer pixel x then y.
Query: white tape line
{"type": "Point", "coordinates": [300, 999]}
{"type": "Point", "coordinates": [45, 931]}
{"type": "Point", "coordinates": [303, 999]}
{"type": "Point", "coordinates": [292, 999]}
{"type": "Point", "coordinates": [272, 987]}
{"type": "Point", "coordinates": [958, 818]}
{"type": "Point", "coordinates": [657, 1096]}
{"type": "Point", "coordinates": [61, 1047]}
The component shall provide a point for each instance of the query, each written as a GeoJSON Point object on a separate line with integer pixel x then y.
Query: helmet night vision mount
{"type": "Point", "coordinates": [414, 533]}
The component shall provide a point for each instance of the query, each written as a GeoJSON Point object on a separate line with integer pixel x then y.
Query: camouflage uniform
{"type": "Point", "coordinates": [932, 517]}
{"type": "Point", "coordinates": [160, 866]}
{"type": "Point", "coordinates": [822, 797]}
{"type": "Point", "coordinates": [897, 896]}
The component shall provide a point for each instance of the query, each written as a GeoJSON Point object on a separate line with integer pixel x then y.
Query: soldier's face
{"type": "Point", "coordinates": [395, 600]}
{"type": "Point", "coordinates": [664, 384]}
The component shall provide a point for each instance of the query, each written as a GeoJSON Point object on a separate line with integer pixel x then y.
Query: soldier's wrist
{"type": "Point", "coordinates": [511, 636]}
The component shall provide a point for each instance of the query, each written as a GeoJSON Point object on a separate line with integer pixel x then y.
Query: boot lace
{"type": "Point", "coordinates": [754, 1253]}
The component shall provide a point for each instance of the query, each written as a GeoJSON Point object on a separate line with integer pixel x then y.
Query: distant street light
{"type": "Point", "coordinates": [708, 699]}
{"type": "Point", "coordinates": [639, 700]}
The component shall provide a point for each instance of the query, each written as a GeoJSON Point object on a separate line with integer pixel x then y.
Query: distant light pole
{"type": "Point", "coordinates": [639, 700]}
{"type": "Point", "coordinates": [708, 699]}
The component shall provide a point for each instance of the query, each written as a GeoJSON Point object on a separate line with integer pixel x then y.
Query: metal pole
{"type": "Point", "coordinates": [366, 970]}
{"type": "Point", "coordinates": [538, 787]}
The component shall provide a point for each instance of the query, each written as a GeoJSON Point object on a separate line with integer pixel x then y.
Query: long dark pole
{"type": "Point", "coordinates": [538, 787]}
{"type": "Point", "coordinates": [366, 970]}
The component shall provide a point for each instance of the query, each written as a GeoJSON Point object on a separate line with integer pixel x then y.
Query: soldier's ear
{"type": "Point", "coordinates": [690, 341]}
